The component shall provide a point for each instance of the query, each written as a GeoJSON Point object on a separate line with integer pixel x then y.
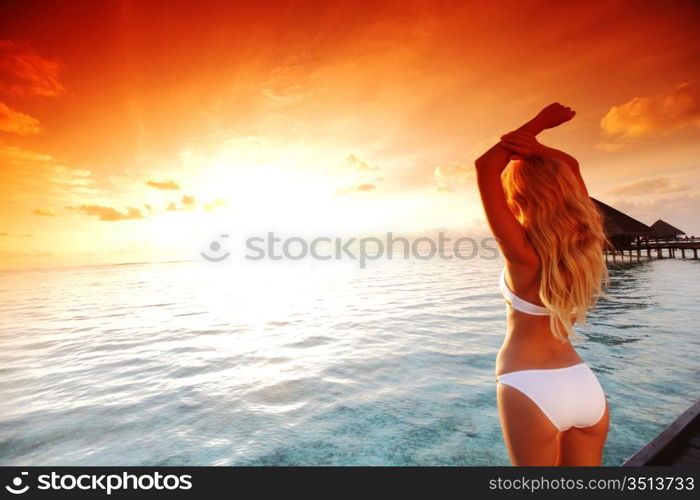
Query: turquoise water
{"type": "Point", "coordinates": [182, 363]}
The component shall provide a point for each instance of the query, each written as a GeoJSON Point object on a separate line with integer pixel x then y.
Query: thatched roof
{"type": "Point", "coordinates": [617, 224]}
{"type": "Point", "coordinates": [663, 228]}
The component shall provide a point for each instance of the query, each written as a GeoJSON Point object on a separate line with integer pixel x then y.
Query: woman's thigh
{"type": "Point", "coordinates": [531, 438]}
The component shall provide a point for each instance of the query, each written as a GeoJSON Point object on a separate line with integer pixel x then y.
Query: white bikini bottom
{"type": "Point", "coordinates": [569, 397]}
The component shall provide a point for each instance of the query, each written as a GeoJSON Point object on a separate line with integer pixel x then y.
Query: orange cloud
{"type": "Point", "coordinates": [188, 203]}
{"type": "Point", "coordinates": [44, 213]}
{"type": "Point", "coordinates": [164, 185]}
{"type": "Point", "coordinates": [30, 178]}
{"type": "Point", "coordinates": [25, 73]}
{"type": "Point", "coordinates": [14, 155]}
{"type": "Point", "coordinates": [448, 174]}
{"type": "Point", "coordinates": [643, 116]}
{"type": "Point", "coordinates": [109, 214]}
{"type": "Point", "coordinates": [16, 122]}
{"type": "Point", "coordinates": [361, 188]}
{"type": "Point", "coordinates": [648, 186]}
{"type": "Point", "coordinates": [361, 165]}
{"type": "Point", "coordinates": [458, 173]}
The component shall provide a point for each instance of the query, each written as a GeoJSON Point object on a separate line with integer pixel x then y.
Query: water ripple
{"type": "Point", "coordinates": [168, 364]}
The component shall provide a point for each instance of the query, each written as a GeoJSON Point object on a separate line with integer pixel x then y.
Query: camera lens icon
{"type": "Point", "coordinates": [215, 247]}
{"type": "Point", "coordinates": [16, 488]}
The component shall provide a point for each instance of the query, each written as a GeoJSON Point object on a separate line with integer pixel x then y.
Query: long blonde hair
{"type": "Point", "coordinates": [566, 229]}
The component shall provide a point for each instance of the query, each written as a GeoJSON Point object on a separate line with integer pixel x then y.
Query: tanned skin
{"type": "Point", "coordinates": [530, 437]}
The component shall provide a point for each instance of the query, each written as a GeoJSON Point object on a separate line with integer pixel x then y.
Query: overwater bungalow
{"type": "Point", "coordinates": [621, 229]}
{"type": "Point", "coordinates": [627, 234]}
{"type": "Point", "coordinates": [664, 230]}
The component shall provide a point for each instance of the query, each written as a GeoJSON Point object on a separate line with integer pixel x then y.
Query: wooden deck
{"type": "Point", "coordinates": [678, 444]}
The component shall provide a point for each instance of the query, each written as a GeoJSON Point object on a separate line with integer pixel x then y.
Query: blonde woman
{"type": "Point", "coordinates": [552, 409]}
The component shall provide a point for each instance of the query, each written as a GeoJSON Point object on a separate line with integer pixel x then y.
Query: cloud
{"type": "Point", "coordinates": [168, 185]}
{"type": "Point", "coordinates": [25, 73]}
{"type": "Point", "coordinates": [644, 116]}
{"type": "Point", "coordinates": [44, 212]}
{"type": "Point", "coordinates": [293, 94]}
{"type": "Point", "coordinates": [16, 122]}
{"type": "Point", "coordinates": [188, 203]}
{"type": "Point", "coordinates": [457, 173]}
{"type": "Point", "coordinates": [15, 155]}
{"type": "Point", "coordinates": [109, 214]}
{"type": "Point", "coordinates": [361, 165]}
{"type": "Point", "coordinates": [361, 188]}
{"type": "Point", "coordinates": [448, 174]}
{"type": "Point", "coordinates": [31, 178]}
{"type": "Point", "coordinates": [216, 204]}
{"type": "Point", "coordinates": [648, 186]}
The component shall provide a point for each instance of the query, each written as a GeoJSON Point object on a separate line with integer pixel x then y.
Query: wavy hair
{"type": "Point", "coordinates": [566, 229]}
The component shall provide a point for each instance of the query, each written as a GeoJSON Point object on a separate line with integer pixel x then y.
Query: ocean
{"type": "Point", "coordinates": [188, 363]}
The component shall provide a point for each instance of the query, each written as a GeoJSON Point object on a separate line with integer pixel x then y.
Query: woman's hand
{"type": "Point", "coordinates": [521, 144]}
{"type": "Point", "coordinates": [554, 115]}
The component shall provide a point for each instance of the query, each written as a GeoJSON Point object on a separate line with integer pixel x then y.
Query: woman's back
{"type": "Point", "coordinates": [529, 342]}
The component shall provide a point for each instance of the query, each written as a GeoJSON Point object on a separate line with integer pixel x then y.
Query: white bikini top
{"type": "Point", "coordinates": [517, 303]}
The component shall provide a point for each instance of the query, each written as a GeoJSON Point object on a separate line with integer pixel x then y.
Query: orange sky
{"type": "Point", "coordinates": [130, 129]}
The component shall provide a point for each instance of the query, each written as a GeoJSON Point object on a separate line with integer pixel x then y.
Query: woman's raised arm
{"type": "Point", "coordinates": [510, 234]}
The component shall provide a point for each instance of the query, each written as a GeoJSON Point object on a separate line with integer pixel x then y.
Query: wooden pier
{"type": "Point", "coordinates": [656, 249]}
{"type": "Point", "coordinates": [678, 444]}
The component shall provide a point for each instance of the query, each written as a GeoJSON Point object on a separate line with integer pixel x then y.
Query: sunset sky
{"type": "Point", "coordinates": [134, 130]}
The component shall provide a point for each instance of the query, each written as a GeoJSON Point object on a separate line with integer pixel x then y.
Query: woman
{"type": "Point", "coordinates": [552, 409]}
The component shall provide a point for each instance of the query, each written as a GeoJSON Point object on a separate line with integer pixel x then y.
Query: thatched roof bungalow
{"type": "Point", "coordinates": [663, 229]}
{"type": "Point", "coordinates": [620, 228]}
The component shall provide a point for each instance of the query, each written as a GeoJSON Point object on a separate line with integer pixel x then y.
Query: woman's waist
{"type": "Point", "coordinates": [531, 329]}
{"type": "Point", "coordinates": [516, 356]}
